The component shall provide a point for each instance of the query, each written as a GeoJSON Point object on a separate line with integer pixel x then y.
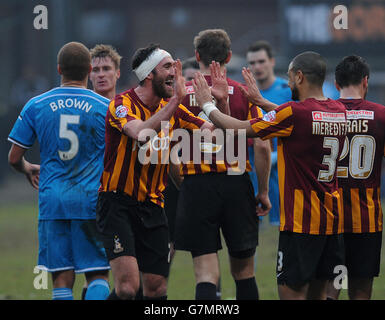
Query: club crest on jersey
{"type": "Point", "coordinates": [121, 111]}
{"type": "Point", "coordinates": [270, 116]}
{"type": "Point", "coordinates": [117, 245]}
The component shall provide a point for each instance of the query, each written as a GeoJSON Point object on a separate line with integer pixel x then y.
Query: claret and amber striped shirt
{"type": "Point", "coordinates": [123, 170]}
{"type": "Point", "coordinates": [359, 168]}
{"type": "Point", "coordinates": [310, 135]}
{"type": "Point", "coordinates": [241, 109]}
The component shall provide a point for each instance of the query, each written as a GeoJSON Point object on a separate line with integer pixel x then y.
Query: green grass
{"type": "Point", "coordinates": [19, 248]}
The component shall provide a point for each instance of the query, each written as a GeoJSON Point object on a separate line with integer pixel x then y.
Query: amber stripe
{"type": "Point", "coordinates": [298, 211]}
{"type": "Point", "coordinates": [356, 210]}
{"type": "Point", "coordinates": [315, 213]}
{"type": "Point", "coordinates": [281, 183]}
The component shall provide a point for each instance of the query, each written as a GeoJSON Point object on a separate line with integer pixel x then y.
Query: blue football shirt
{"type": "Point", "coordinates": [69, 124]}
{"type": "Point", "coordinates": [279, 93]}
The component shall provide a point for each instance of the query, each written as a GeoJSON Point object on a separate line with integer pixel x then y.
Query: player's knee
{"type": "Point", "coordinates": [126, 290]}
{"type": "Point", "coordinates": [242, 263]}
{"type": "Point", "coordinates": [155, 286]}
{"type": "Point", "coordinates": [243, 254]}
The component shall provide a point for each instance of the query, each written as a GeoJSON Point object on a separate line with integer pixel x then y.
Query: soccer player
{"type": "Point", "coordinates": [105, 72]}
{"type": "Point", "coordinates": [130, 213]}
{"type": "Point", "coordinates": [260, 58]}
{"type": "Point", "coordinates": [68, 123]}
{"type": "Point", "coordinates": [212, 199]}
{"type": "Point", "coordinates": [311, 135]}
{"type": "Point", "coordinates": [190, 66]}
{"type": "Point", "coordinates": [359, 178]}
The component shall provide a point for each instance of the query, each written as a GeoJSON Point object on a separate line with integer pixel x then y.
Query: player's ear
{"type": "Point", "coordinates": [197, 56]}
{"type": "Point", "coordinates": [89, 69]}
{"type": "Point", "coordinates": [59, 69]}
{"type": "Point", "coordinates": [228, 57]}
{"type": "Point", "coordinates": [117, 74]}
{"type": "Point", "coordinates": [272, 60]}
{"type": "Point", "coordinates": [365, 81]}
{"type": "Point", "coordinates": [299, 77]}
{"type": "Point", "coordinates": [337, 86]}
{"type": "Point", "coordinates": [150, 76]}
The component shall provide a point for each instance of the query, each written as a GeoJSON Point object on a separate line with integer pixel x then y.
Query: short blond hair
{"type": "Point", "coordinates": [106, 50]}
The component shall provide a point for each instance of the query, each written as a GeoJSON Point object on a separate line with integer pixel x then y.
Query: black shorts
{"type": "Point", "coordinates": [363, 254]}
{"type": "Point", "coordinates": [213, 201]}
{"type": "Point", "coordinates": [171, 194]}
{"type": "Point", "coordinates": [304, 257]}
{"type": "Point", "coordinates": [132, 228]}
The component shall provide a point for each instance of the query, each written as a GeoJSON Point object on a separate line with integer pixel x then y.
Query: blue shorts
{"type": "Point", "coordinates": [70, 244]}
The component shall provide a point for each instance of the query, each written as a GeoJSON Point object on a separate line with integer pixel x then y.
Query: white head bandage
{"type": "Point", "coordinates": [150, 63]}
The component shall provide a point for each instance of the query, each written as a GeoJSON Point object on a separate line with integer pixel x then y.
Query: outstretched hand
{"type": "Point", "coordinates": [202, 89]}
{"type": "Point", "coordinates": [220, 87]}
{"type": "Point", "coordinates": [252, 92]}
{"type": "Point", "coordinates": [179, 81]}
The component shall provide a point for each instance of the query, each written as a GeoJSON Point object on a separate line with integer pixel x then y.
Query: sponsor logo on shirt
{"type": "Point", "coordinates": [359, 114]}
{"type": "Point", "coordinates": [328, 116]}
{"type": "Point", "coordinates": [270, 116]}
{"type": "Point", "coordinates": [121, 111]}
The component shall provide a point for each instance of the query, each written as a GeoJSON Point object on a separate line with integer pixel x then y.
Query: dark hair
{"type": "Point", "coordinates": [262, 45]}
{"type": "Point", "coordinates": [142, 54]}
{"type": "Point", "coordinates": [190, 63]}
{"type": "Point", "coordinates": [74, 60]}
{"type": "Point", "coordinates": [312, 65]}
{"type": "Point", "coordinates": [212, 44]}
{"type": "Point", "coordinates": [351, 70]}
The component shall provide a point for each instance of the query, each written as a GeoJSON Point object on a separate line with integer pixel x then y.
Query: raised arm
{"type": "Point", "coordinates": [253, 94]}
{"type": "Point", "coordinates": [220, 120]}
{"type": "Point", "coordinates": [219, 87]}
{"type": "Point", "coordinates": [262, 163]}
{"type": "Point", "coordinates": [135, 127]}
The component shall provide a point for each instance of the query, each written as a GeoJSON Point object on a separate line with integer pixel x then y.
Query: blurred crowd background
{"type": "Point", "coordinates": [28, 55]}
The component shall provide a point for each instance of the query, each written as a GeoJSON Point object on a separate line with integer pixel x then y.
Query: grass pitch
{"type": "Point", "coordinates": [19, 248]}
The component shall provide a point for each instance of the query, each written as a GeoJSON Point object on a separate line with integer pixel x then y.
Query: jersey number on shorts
{"type": "Point", "coordinates": [361, 151]}
{"type": "Point", "coordinates": [70, 135]}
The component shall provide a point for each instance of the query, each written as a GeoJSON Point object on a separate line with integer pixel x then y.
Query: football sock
{"type": "Point", "coordinates": [113, 296]}
{"type": "Point", "coordinates": [62, 294]}
{"type": "Point", "coordinates": [246, 289]}
{"type": "Point", "coordinates": [98, 290]}
{"type": "Point", "coordinates": [206, 291]}
{"type": "Point", "coordinates": [84, 290]}
{"type": "Point", "coordinates": [139, 293]}
{"type": "Point", "coordinates": [219, 289]}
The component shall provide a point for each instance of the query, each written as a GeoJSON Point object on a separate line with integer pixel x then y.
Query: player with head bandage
{"type": "Point", "coordinates": [130, 213]}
